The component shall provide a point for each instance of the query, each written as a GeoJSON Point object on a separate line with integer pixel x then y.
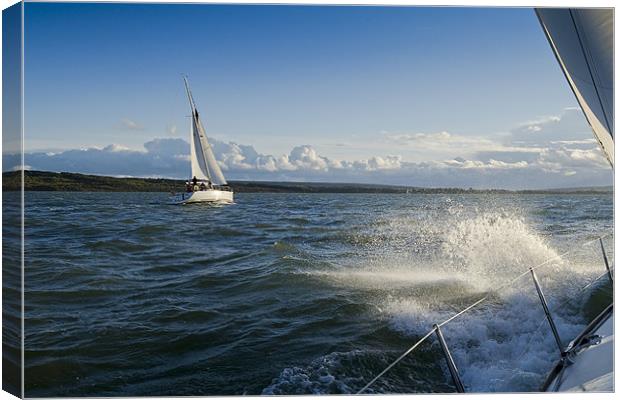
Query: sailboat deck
{"type": "Point", "coordinates": [590, 369]}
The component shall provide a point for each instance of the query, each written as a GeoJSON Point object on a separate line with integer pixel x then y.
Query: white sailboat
{"type": "Point", "coordinates": [207, 182]}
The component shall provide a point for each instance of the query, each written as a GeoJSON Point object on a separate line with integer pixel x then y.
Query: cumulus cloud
{"type": "Point", "coordinates": [168, 157]}
{"type": "Point", "coordinates": [167, 147]}
{"type": "Point", "coordinates": [536, 154]}
{"type": "Point", "coordinates": [113, 148]}
{"type": "Point", "coordinates": [305, 157]}
{"type": "Point", "coordinates": [560, 144]}
{"type": "Point", "coordinates": [376, 163]}
{"type": "Point", "coordinates": [561, 159]}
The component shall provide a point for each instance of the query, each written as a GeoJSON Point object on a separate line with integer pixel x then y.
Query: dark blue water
{"type": "Point", "coordinates": [299, 293]}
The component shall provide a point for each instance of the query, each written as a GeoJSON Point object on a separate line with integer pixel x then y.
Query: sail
{"type": "Point", "coordinates": [582, 40]}
{"type": "Point", "coordinates": [203, 162]}
{"type": "Point", "coordinates": [208, 157]}
{"type": "Point", "coordinates": [198, 164]}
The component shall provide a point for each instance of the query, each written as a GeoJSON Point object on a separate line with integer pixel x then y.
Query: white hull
{"type": "Point", "coordinates": [204, 196]}
{"type": "Point", "coordinates": [589, 364]}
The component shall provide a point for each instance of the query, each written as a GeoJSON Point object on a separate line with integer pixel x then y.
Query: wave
{"type": "Point", "coordinates": [502, 345]}
{"type": "Point", "coordinates": [284, 307]}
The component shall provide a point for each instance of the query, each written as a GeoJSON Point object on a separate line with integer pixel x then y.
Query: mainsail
{"type": "Point", "coordinates": [582, 40]}
{"type": "Point", "coordinates": [199, 166]}
{"type": "Point", "coordinates": [203, 162]}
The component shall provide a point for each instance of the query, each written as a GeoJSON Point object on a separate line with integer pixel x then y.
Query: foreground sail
{"type": "Point", "coordinates": [583, 42]}
{"type": "Point", "coordinates": [207, 182]}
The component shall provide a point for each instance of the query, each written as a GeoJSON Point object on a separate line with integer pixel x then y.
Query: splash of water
{"type": "Point", "coordinates": [494, 247]}
{"type": "Point", "coordinates": [448, 261]}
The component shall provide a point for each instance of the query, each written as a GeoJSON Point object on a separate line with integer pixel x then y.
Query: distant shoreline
{"type": "Point", "coordinates": [74, 182]}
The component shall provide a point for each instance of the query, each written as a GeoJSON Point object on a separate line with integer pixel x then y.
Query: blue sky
{"type": "Point", "coordinates": [383, 85]}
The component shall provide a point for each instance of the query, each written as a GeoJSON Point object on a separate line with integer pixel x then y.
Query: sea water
{"type": "Point", "coordinates": [302, 293]}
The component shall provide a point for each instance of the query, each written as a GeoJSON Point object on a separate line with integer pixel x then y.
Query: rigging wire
{"type": "Point", "coordinates": [389, 367]}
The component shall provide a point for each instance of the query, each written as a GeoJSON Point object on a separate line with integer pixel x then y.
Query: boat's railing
{"type": "Point", "coordinates": [436, 328]}
{"type": "Point", "coordinates": [223, 188]}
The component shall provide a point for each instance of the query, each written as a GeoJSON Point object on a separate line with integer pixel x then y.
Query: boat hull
{"type": "Point", "coordinates": [204, 196]}
{"type": "Point", "coordinates": [588, 365]}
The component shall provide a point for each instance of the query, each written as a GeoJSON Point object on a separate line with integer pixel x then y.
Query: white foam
{"type": "Point", "coordinates": [329, 374]}
{"type": "Point", "coordinates": [505, 344]}
{"type": "Point", "coordinates": [451, 259]}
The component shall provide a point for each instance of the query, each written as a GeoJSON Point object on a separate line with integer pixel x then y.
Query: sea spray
{"type": "Point", "coordinates": [424, 267]}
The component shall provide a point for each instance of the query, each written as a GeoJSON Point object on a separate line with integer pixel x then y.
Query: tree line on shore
{"type": "Point", "coordinates": [74, 182]}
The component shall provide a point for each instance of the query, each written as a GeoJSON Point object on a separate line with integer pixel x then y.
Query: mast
{"type": "Point", "coordinates": [189, 94]}
{"type": "Point", "coordinates": [193, 131]}
{"type": "Point", "coordinates": [204, 162]}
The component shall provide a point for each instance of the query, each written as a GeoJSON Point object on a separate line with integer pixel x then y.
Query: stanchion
{"type": "Point", "coordinates": [547, 312]}
{"type": "Point", "coordinates": [451, 366]}
{"type": "Point", "coordinates": [611, 279]}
